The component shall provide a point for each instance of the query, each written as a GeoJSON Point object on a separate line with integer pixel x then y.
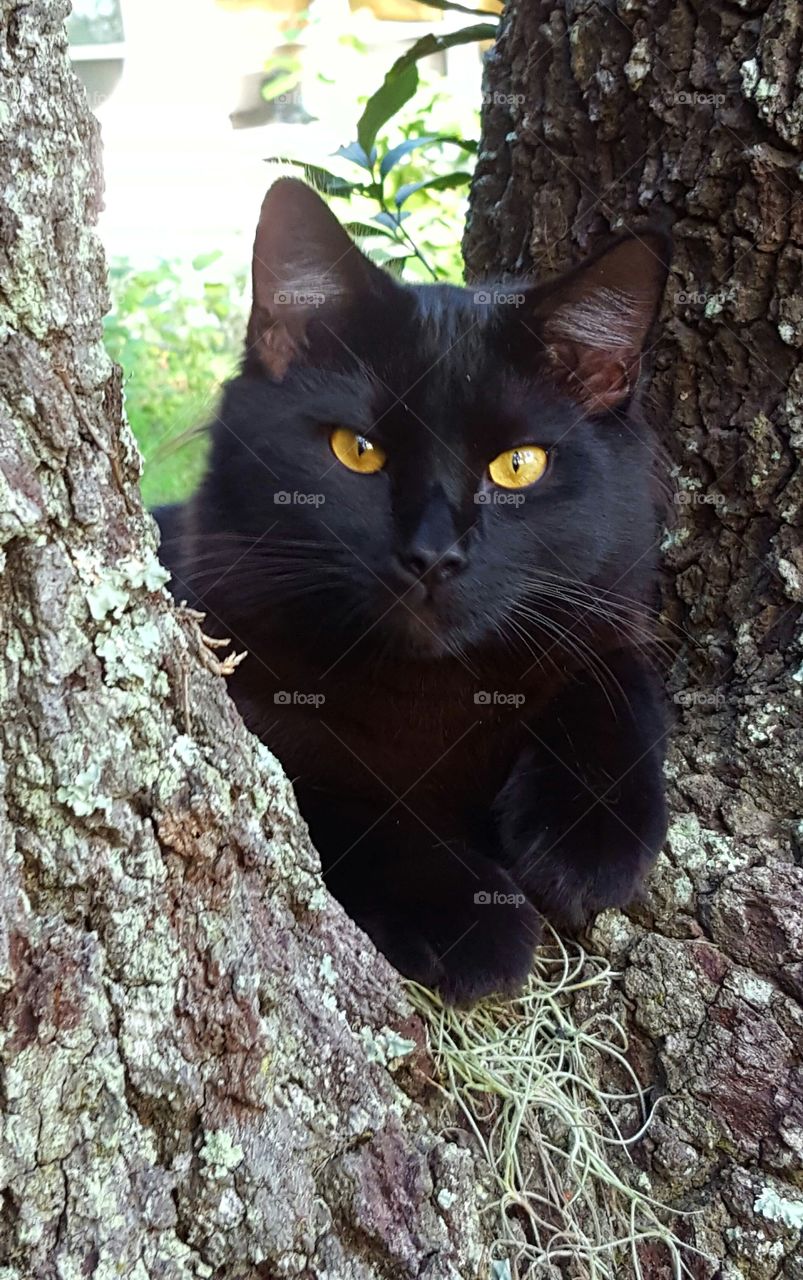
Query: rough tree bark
{"type": "Point", "coordinates": [597, 114]}
{"type": "Point", "coordinates": [192, 1035]}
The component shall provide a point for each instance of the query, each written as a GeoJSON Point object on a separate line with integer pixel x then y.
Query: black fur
{"type": "Point", "coordinates": [490, 742]}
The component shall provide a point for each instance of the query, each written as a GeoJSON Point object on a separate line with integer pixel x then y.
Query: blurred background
{"type": "Point", "coordinates": [201, 104]}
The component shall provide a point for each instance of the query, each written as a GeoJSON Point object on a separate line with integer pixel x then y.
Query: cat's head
{"type": "Point", "coordinates": [429, 469]}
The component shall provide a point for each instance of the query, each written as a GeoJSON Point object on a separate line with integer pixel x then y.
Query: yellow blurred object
{"type": "Point", "coordinates": [412, 11]}
{"type": "Point", "coordinates": [384, 10]}
{"type": "Point", "coordinates": [398, 10]}
{"type": "Point", "coordinates": [280, 7]}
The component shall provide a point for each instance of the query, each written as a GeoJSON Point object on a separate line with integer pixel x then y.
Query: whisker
{"type": "Point", "coordinates": [631, 620]}
{"type": "Point", "coordinates": [606, 594]}
{"type": "Point", "coordinates": [590, 661]}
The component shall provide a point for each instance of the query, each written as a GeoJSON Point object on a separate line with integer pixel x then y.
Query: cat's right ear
{"type": "Point", "coordinates": [305, 270]}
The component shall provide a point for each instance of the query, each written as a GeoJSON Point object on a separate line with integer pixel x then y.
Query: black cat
{"type": "Point", "coordinates": [430, 515]}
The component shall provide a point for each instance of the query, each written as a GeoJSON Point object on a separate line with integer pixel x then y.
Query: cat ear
{"type": "Point", "coordinates": [305, 268]}
{"type": "Point", "coordinates": [594, 320]}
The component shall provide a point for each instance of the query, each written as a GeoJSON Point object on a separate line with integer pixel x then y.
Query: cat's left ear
{"type": "Point", "coordinates": [307, 276]}
{"type": "Point", "coordinates": [593, 321]}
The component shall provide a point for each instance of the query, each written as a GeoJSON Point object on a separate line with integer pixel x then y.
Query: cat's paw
{"type": "Point", "coordinates": [463, 949]}
{"type": "Point", "coordinates": [570, 886]}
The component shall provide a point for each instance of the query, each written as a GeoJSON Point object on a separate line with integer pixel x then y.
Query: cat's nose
{"type": "Point", "coordinates": [433, 563]}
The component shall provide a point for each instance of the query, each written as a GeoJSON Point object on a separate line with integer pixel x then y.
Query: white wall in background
{"type": "Point", "coordinates": [179, 179]}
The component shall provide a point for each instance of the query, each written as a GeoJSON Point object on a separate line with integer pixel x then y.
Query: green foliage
{"type": "Point", "coordinates": [400, 188]}
{"type": "Point", "coordinates": [95, 22]}
{"type": "Point", "coordinates": [389, 166]}
{"type": "Point", "coordinates": [176, 329]}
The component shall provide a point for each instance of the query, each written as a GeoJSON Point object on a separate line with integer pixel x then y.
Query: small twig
{"type": "Point", "coordinates": [208, 644]}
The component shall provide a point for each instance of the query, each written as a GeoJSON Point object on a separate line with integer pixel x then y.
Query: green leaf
{"type": "Point", "coordinates": [389, 220]}
{"type": "Point", "coordinates": [467, 144]}
{"type": "Point", "coordinates": [322, 180]}
{"type": "Point", "coordinates": [396, 89]}
{"type": "Point", "coordinates": [280, 84]}
{"type": "Point", "coordinates": [431, 43]}
{"type": "Point", "coordinates": [401, 81]}
{"type": "Point", "coordinates": [392, 157]}
{"type": "Point", "coordinates": [395, 264]}
{"type": "Point", "coordinates": [204, 260]}
{"type": "Point", "coordinates": [385, 256]}
{"type": "Point", "coordinates": [444, 182]}
{"type": "Point", "coordinates": [358, 154]}
{"type": "Point", "coordinates": [363, 229]}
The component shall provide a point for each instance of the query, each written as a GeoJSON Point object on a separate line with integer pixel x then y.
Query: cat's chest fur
{"type": "Point", "coordinates": [442, 736]}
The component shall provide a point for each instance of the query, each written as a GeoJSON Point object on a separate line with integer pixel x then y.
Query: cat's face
{"type": "Point", "coordinates": [427, 470]}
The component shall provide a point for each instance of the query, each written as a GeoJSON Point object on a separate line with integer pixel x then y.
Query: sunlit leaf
{"type": "Point", "coordinates": [389, 219]}
{"type": "Point", "coordinates": [396, 89]}
{"type": "Point", "coordinates": [204, 260]}
{"type": "Point", "coordinates": [431, 43]}
{"type": "Point", "coordinates": [444, 182]}
{"type": "Point", "coordinates": [392, 157]}
{"type": "Point", "coordinates": [360, 154]}
{"type": "Point", "coordinates": [331, 184]}
{"type": "Point", "coordinates": [361, 229]}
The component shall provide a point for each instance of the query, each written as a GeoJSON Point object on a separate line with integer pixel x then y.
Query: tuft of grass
{"type": "Point", "coordinates": [525, 1073]}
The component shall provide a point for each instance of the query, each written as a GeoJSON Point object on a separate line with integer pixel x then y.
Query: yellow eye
{"type": "Point", "coordinates": [355, 452]}
{"type": "Point", "coordinates": [518, 468]}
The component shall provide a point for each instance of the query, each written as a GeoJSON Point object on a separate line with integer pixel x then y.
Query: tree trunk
{"type": "Point", "coordinates": [192, 1036]}
{"type": "Point", "coordinates": [598, 115]}
{"type": "Point", "coordinates": [192, 1032]}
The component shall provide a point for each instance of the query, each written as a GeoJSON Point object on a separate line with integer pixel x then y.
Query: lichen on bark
{"type": "Point", "coordinates": [188, 1023]}
{"type": "Point", "coordinates": [603, 115]}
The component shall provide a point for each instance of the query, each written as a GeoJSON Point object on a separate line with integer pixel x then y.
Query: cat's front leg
{"type": "Point", "coordinates": [443, 914]}
{"type": "Point", "coordinates": [583, 815]}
